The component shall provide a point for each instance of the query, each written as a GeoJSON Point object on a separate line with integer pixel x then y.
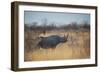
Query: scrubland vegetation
{"type": "Point", "coordinates": [77, 46]}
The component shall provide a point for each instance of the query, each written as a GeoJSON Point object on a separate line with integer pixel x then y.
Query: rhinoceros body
{"type": "Point", "coordinates": [51, 41]}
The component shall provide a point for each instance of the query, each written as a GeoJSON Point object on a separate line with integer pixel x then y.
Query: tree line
{"type": "Point", "coordinates": [53, 26]}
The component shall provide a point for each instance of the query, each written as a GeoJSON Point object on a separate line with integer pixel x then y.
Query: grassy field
{"type": "Point", "coordinates": [77, 46]}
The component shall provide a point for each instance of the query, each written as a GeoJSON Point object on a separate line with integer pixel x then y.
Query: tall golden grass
{"type": "Point", "coordinates": [77, 47]}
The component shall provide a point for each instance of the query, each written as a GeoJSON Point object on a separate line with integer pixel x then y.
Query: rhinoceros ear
{"type": "Point", "coordinates": [66, 36]}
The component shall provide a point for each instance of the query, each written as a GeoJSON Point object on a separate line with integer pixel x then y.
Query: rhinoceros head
{"type": "Point", "coordinates": [64, 38]}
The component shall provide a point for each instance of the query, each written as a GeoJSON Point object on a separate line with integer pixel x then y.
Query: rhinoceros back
{"type": "Point", "coordinates": [49, 42]}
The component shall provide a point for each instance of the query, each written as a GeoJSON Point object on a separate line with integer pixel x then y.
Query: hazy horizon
{"type": "Point", "coordinates": [59, 18]}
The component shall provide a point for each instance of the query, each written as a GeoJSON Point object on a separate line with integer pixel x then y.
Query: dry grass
{"type": "Point", "coordinates": [77, 47]}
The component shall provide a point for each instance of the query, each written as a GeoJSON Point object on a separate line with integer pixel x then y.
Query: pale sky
{"type": "Point", "coordinates": [55, 17]}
